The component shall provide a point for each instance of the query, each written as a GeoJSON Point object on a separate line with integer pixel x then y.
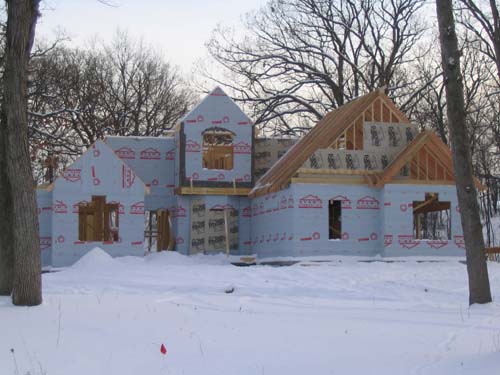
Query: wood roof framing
{"type": "Point", "coordinates": [375, 106]}
{"type": "Point", "coordinates": [432, 147]}
{"type": "Point", "coordinates": [408, 155]}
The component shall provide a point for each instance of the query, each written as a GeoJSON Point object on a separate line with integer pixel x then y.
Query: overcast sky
{"type": "Point", "coordinates": [178, 27]}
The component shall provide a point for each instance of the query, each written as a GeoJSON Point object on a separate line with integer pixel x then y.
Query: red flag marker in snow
{"type": "Point", "coordinates": [163, 350]}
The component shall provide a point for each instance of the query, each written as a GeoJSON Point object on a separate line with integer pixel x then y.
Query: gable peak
{"type": "Point", "coordinates": [217, 91]}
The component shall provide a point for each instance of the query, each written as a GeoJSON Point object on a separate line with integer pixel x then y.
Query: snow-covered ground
{"type": "Point", "coordinates": [111, 316]}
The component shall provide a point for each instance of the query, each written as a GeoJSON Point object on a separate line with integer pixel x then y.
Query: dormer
{"type": "Point", "coordinates": [215, 144]}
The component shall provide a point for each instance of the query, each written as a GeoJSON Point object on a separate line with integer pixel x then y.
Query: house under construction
{"type": "Point", "coordinates": [363, 181]}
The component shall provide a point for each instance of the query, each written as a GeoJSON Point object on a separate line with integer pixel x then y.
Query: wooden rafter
{"type": "Point", "coordinates": [327, 133]}
{"type": "Point", "coordinates": [425, 150]}
{"type": "Point", "coordinates": [404, 157]}
{"type": "Point", "coordinates": [419, 208]}
{"type": "Point", "coordinates": [432, 207]}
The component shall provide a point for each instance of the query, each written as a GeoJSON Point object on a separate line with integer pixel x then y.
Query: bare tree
{"type": "Point", "coordinates": [302, 58]}
{"type": "Point", "coordinates": [17, 179]}
{"type": "Point", "coordinates": [79, 96]}
{"type": "Point", "coordinates": [430, 112]}
{"type": "Point", "coordinates": [479, 287]}
{"type": "Point", "coordinates": [482, 19]}
{"type": "Point", "coordinates": [143, 95]}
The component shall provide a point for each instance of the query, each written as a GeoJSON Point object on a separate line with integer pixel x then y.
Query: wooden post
{"type": "Point", "coordinates": [354, 147]}
{"type": "Point", "coordinates": [166, 230]}
{"type": "Point", "coordinates": [435, 169]}
{"type": "Point", "coordinates": [82, 221]}
{"type": "Point", "coordinates": [417, 217]}
{"type": "Point", "coordinates": [426, 164]}
{"type": "Point", "coordinates": [418, 165]}
{"type": "Point", "coordinates": [159, 232]}
{"type": "Point", "coordinates": [105, 228]}
{"type": "Point", "coordinates": [171, 237]}
{"type": "Point", "coordinates": [163, 230]}
{"type": "Point", "coordinates": [150, 230]}
{"type": "Point", "coordinates": [226, 228]}
{"type": "Point", "coordinates": [99, 202]}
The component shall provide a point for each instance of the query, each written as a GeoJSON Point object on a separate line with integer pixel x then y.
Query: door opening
{"type": "Point", "coordinates": [334, 220]}
{"type": "Point", "coordinates": [158, 231]}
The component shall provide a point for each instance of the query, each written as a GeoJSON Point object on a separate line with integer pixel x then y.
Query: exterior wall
{"type": "Point", "coordinates": [373, 221]}
{"type": "Point", "coordinates": [361, 223]}
{"type": "Point", "coordinates": [97, 172]}
{"type": "Point", "coordinates": [182, 220]}
{"type": "Point", "coordinates": [267, 151]}
{"type": "Point", "coordinates": [398, 221]}
{"type": "Point", "coordinates": [216, 110]}
{"type": "Point", "coordinates": [153, 160]}
{"type": "Point", "coordinates": [181, 223]}
{"type": "Point", "coordinates": [245, 224]}
{"type": "Point", "coordinates": [44, 202]}
{"type": "Point", "coordinates": [273, 224]}
{"type": "Point", "coordinates": [301, 229]}
{"type": "Point", "coordinates": [177, 140]}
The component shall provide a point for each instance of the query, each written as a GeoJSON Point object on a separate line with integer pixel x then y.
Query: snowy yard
{"type": "Point", "coordinates": [111, 316]}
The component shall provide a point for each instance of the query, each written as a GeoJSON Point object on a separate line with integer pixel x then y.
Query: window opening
{"type": "Point", "coordinates": [98, 220]}
{"type": "Point", "coordinates": [218, 150]}
{"type": "Point", "coordinates": [431, 218]}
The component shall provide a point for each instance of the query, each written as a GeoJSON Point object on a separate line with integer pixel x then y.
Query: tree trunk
{"type": "Point", "coordinates": [21, 21]}
{"type": "Point", "coordinates": [6, 211]}
{"type": "Point", "coordinates": [479, 286]}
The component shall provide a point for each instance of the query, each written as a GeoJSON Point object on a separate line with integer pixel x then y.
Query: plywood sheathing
{"type": "Point", "coordinates": [375, 106]}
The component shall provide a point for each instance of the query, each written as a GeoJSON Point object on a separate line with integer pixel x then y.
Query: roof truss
{"type": "Point", "coordinates": [342, 127]}
{"type": "Point", "coordinates": [427, 158]}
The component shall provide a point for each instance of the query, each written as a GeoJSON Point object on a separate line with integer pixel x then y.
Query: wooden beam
{"type": "Point", "coordinates": [423, 204]}
{"type": "Point", "coordinates": [426, 164]}
{"type": "Point", "coordinates": [326, 133]}
{"type": "Point", "coordinates": [416, 217]}
{"type": "Point", "coordinates": [492, 250]}
{"type": "Point", "coordinates": [226, 230]}
{"type": "Point", "coordinates": [441, 159]}
{"type": "Point", "coordinates": [354, 130]}
{"type": "Point", "coordinates": [99, 201]}
{"type": "Point", "coordinates": [386, 114]}
{"type": "Point", "coordinates": [418, 165]}
{"type": "Point", "coordinates": [432, 207]}
{"type": "Point", "coordinates": [338, 171]}
{"type": "Point", "coordinates": [405, 155]}
{"type": "Point", "coordinates": [375, 112]}
{"type": "Point", "coordinates": [187, 190]}
{"type": "Point", "coordinates": [330, 181]}
{"type": "Point", "coordinates": [420, 182]}
{"type": "Point", "coordinates": [373, 179]}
